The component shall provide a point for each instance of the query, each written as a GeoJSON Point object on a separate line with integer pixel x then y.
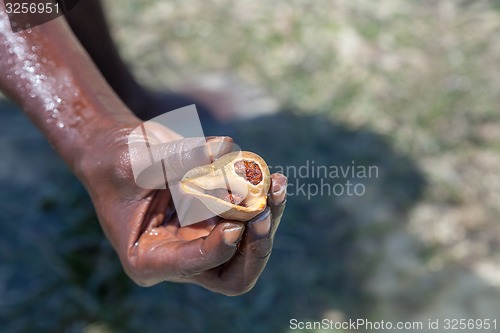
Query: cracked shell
{"type": "Point", "coordinates": [234, 187]}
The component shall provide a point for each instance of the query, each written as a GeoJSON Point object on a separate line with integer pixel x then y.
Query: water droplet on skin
{"type": "Point", "coordinates": [152, 232]}
{"type": "Point", "coordinates": [24, 66]}
{"type": "Point", "coordinates": [49, 106]}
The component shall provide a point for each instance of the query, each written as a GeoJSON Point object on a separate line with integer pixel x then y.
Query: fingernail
{"type": "Point", "coordinates": [278, 189]}
{"type": "Point", "coordinates": [232, 234]}
{"type": "Point", "coordinates": [262, 223]}
{"type": "Point", "coordinates": [278, 193]}
{"type": "Point", "coordinates": [214, 146]}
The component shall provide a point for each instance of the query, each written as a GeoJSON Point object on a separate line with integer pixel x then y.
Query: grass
{"type": "Point", "coordinates": [413, 70]}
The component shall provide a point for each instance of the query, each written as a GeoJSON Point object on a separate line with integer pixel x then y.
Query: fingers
{"type": "Point", "coordinates": [277, 193]}
{"type": "Point", "coordinates": [218, 247]}
{"type": "Point", "coordinates": [156, 261]}
{"type": "Point", "coordinates": [229, 260]}
{"type": "Point", "coordinates": [218, 146]}
{"type": "Point", "coordinates": [182, 155]}
{"type": "Point", "coordinates": [277, 198]}
{"type": "Point", "coordinates": [155, 164]}
{"type": "Point", "coordinates": [241, 273]}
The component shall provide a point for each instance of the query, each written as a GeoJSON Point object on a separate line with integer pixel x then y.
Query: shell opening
{"type": "Point", "coordinates": [249, 170]}
{"type": "Point", "coordinates": [228, 196]}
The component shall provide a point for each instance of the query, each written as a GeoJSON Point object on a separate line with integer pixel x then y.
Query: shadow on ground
{"type": "Point", "coordinates": [58, 274]}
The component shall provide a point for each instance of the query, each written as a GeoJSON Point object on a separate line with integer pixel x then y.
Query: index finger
{"type": "Point", "coordinates": [154, 165]}
{"type": "Point", "coordinates": [158, 258]}
{"type": "Point", "coordinates": [183, 155]}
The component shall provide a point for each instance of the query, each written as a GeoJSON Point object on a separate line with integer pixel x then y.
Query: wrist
{"type": "Point", "coordinates": [102, 143]}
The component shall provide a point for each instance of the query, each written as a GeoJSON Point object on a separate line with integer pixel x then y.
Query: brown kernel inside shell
{"type": "Point", "coordinates": [227, 196]}
{"type": "Point", "coordinates": [249, 170]}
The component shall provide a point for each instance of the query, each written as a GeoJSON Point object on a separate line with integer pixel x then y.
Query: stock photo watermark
{"type": "Point", "coordinates": [311, 179]}
{"type": "Point", "coordinates": [365, 325]}
{"type": "Point", "coordinates": [155, 165]}
{"type": "Point", "coordinates": [24, 15]}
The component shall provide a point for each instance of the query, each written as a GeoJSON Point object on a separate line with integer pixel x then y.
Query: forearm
{"type": "Point", "coordinates": [47, 72]}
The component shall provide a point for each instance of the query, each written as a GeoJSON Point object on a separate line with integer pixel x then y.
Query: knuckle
{"type": "Point", "coordinates": [194, 266]}
{"type": "Point", "coordinates": [260, 249]}
{"type": "Point", "coordinates": [184, 271]}
{"type": "Point", "coordinates": [135, 272]}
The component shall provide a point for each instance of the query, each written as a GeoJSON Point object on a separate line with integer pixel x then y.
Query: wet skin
{"type": "Point", "coordinates": [48, 73]}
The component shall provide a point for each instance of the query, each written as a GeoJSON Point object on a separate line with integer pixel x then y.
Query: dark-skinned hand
{"type": "Point", "coordinates": [221, 255]}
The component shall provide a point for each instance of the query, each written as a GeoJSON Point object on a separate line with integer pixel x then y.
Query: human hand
{"type": "Point", "coordinates": [220, 255]}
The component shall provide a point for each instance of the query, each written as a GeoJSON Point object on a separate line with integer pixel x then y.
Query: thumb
{"type": "Point", "coordinates": [171, 160]}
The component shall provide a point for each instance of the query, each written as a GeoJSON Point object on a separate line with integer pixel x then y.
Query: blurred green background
{"type": "Point", "coordinates": [411, 87]}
